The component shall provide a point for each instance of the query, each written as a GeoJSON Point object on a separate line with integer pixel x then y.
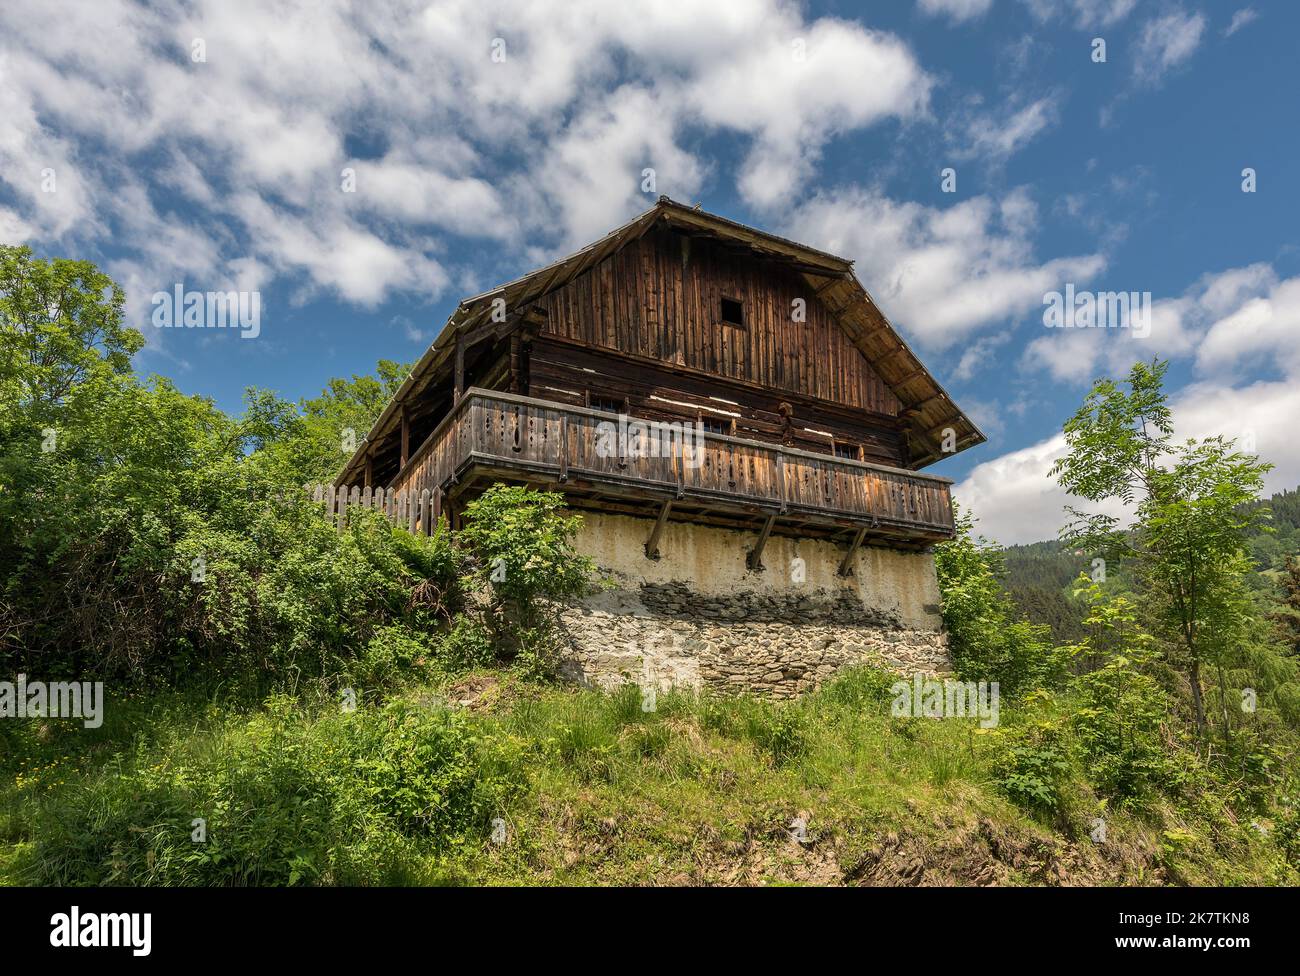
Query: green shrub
{"type": "Point", "coordinates": [987, 636]}
{"type": "Point", "coordinates": [522, 546]}
{"type": "Point", "coordinates": [863, 689]}
{"type": "Point", "coordinates": [346, 797]}
{"type": "Point", "coordinates": [1031, 767]}
{"type": "Point", "coordinates": [1118, 722]}
{"type": "Point", "coordinates": [1120, 713]}
{"type": "Point", "coordinates": [395, 653]}
{"type": "Point", "coordinates": [466, 645]}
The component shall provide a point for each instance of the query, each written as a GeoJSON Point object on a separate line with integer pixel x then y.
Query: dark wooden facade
{"type": "Point", "coordinates": [678, 322]}
{"type": "Point", "coordinates": [660, 298]}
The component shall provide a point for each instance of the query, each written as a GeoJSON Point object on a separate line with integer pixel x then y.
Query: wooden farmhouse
{"type": "Point", "coordinates": [742, 427]}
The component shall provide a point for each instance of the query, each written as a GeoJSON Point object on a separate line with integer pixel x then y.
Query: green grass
{"type": "Point", "coordinates": [591, 790]}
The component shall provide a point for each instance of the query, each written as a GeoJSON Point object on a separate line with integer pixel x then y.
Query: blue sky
{"type": "Point", "coordinates": [206, 143]}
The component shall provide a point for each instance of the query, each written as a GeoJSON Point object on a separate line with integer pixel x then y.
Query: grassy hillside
{"type": "Point", "coordinates": [590, 789]}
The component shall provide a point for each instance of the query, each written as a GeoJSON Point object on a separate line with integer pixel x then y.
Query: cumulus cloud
{"type": "Point", "coordinates": [1013, 495]}
{"type": "Point", "coordinates": [1260, 330]}
{"type": "Point", "coordinates": [510, 122]}
{"type": "Point", "coordinates": [1223, 323]}
{"type": "Point", "coordinates": [791, 89]}
{"type": "Point", "coordinates": [1166, 42]}
{"type": "Point", "coordinates": [942, 273]}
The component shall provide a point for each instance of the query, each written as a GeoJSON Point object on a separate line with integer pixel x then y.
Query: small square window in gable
{"type": "Point", "coordinates": [733, 312]}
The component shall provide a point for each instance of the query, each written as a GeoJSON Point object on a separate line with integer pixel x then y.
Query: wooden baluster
{"type": "Point", "coordinates": [564, 447]}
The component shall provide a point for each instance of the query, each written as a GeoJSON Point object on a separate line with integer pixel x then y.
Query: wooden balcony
{"type": "Point", "coordinates": [490, 436]}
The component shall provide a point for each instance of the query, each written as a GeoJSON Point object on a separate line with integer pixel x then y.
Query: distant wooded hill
{"type": "Point", "coordinates": [1040, 576]}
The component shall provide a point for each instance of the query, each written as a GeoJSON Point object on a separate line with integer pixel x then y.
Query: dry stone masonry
{"type": "Point", "coordinates": [706, 622]}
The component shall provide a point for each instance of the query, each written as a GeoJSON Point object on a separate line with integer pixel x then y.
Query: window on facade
{"type": "Point", "coordinates": [849, 451]}
{"type": "Point", "coordinates": [606, 404]}
{"type": "Point", "coordinates": [712, 426]}
{"type": "Point", "coordinates": [733, 313]}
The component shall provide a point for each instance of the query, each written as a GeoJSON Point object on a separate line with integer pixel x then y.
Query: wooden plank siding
{"type": "Point", "coordinates": [637, 317]}
{"type": "Point", "coordinates": [526, 439]}
{"type": "Point", "coordinates": [660, 297]}
{"type": "Point", "coordinates": [563, 372]}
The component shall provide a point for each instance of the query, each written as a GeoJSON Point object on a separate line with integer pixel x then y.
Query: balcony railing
{"type": "Point", "coordinates": [503, 435]}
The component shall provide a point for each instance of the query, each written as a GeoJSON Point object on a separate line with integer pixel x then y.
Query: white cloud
{"type": "Point", "coordinates": [1259, 416]}
{"type": "Point", "coordinates": [13, 229]}
{"type": "Point", "coordinates": [1223, 320]}
{"type": "Point", "coordinates": [596, 167]}
{"type": "Point", "coordinates": [957, 10]}
{"type": "Point", "coordinates": [976, 354]}
{"type": "Point", "coordinates": [792, 99]}
{"type": "Point", "coordinates": [1014, 497]}
{"type": "Point", "coordinates": [1085, 13]}
{"type": "Point", "coordinates": [545, 145]}
{"type": "Point", "coordinates": [998, 135]}
{"type": "Point", "coordinates": [1166, 42]}
{"type": "Point", "coordinates": [1240, 19]}
{"type": "Point", "coordinates": [1260, 330]}
{"type": "Point", "coordinates": [941, 273]}
{"type": "Point", "coordinates": [1226, 320]}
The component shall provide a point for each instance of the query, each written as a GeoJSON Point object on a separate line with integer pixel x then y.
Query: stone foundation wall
{"type": "Point", "coordinates": [697, 617]}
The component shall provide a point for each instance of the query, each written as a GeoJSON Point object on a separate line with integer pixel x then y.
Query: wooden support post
{"type": "Point", "coordinates": [652, 544]}
{"type": "Point", "coordinates": [755, 558]}
{"type": "Point", "coordinates": [846, 564]}
{"type": "Point", "coordinates": [370, 470]}
{"type": "Point", "coordinates": [406, 439]}
{"type": "Point", "coordinates": [460, 371]}
{"type": "Point", "coordinates": [437, 505]}
{"type": "Point", "coordinates": [780, 479]}
{"type": "Point", "coordinates": [564, 447]}
{"type": "Point", "coordinates": [516, 381]}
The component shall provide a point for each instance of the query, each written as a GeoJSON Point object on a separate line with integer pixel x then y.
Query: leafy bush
{"type": "Point", "coordinates": [145, 535]}
{"type": "Point", "coordinates": [1118, 722]}
{"type": "Point", "coordinates": [466, 645]}
{"type": "Point", "coordinates": [343, 798]}
{"type": "Point", "coordinates": [987, 637]}
{"type": "Point", "coordinates": [1031, 767]}
{"type": "Point", "coordinates": [1120, 712]}
{"type": "Point", "coordinates": [864, 689]}
{"type": "Point", "coordinates": [522, 544]}
{"type": "Point", "coordinates": [395, 653]}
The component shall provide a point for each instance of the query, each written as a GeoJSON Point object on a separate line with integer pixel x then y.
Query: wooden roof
{"type": "Point", "coordinates": [927, 408]}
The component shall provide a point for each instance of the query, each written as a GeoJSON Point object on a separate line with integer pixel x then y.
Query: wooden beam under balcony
{"type": "Point", "coordinates": [846, 564]}
{"type": "Point", "coordinates": [652, 544]}
{"type": "Point", "coordinates": [755, 558]}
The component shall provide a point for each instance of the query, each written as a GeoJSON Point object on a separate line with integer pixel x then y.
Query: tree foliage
{"type": "Point", "coordinates": [987, 634]}
{"type": "Point", "coordinates": [1191, 510]}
